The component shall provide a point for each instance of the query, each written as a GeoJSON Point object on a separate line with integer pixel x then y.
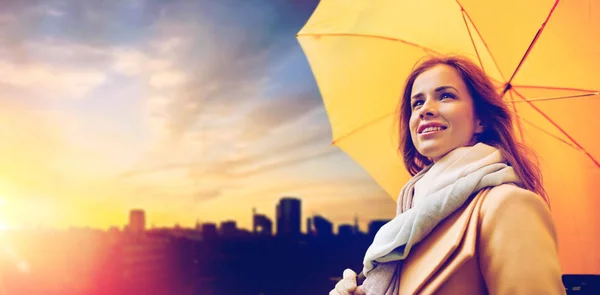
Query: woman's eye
{"type": "Point", "coordinates": [417, 103]}
{"type": "Point", "coordinates": [447, 95]}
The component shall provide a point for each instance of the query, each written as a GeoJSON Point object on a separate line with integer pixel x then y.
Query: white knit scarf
{"type": "Point", "coordinates": [430, 196]}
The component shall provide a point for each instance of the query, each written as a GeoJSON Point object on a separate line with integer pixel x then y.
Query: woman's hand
{"type": "Point", "coordinates": [347, 286]}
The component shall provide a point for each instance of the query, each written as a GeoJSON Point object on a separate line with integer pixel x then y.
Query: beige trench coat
{"type": "Point", "coordinates": [503, 242]}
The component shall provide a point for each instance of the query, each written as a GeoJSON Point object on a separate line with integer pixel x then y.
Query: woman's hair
{"type": "Point", "coordinates": [489, 108]}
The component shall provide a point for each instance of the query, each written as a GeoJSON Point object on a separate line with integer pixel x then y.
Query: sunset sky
{"type": "Point", "coordinates": [190, 110]}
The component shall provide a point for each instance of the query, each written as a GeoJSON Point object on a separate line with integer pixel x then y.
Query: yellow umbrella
{"type": "Point", "coordinates": [544, 55]}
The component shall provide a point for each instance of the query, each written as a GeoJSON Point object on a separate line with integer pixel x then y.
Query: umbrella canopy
{"type": "Point", "coordinates": [543, 55]}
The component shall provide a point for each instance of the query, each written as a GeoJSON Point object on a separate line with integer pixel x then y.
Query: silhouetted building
{"type": "Point", "coordinates": [375, 225]}
{"type": "Point", "coordinates": [309, 228]}
{"type": "Point", "coordinates": [289, 216]}
{"type": "Point", "coordinates": [322, 226]}
{"type": "Point", "coordinates": [137, 221]}
{"type": "Point", "coordinates": [345, 230]}
{"type": "Point", "coordinates": [228, 229]}
{"type": "Point", "coordinates": [243, 233]}
{"type": "Point", "coordinates": [261, 224]}
{"type": "Point", "coordinates": [209, 231]}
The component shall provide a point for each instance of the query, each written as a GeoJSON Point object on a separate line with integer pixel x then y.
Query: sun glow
{"type": "Point", "coordinates": [4, 226]}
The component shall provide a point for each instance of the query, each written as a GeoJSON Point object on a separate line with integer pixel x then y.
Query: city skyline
{"type": "Point", "coordinates": [187, 109]}
{"type": "Point", "coordinates": [138, 216]}
{"type": "Point", "coordinates": [137, 220]}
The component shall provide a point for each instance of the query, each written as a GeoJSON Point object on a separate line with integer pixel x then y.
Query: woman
{"type": "Point", "coordinates": [474, 219]}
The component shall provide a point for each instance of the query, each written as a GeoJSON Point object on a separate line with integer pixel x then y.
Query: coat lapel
{"type": "Point", "coordinates": [446, 248]}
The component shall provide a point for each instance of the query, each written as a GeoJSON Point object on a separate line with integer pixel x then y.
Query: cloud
{"type": "Point", "coordinates": [276, 112]}
{"type": "Point", "coordinates": [89, 22]}
{"type": "Point", "coordinates": [46, 10]}
{"type": "Point", "coordinates": [170, 45]}
{"type": "Point", "coordinates": [51, 81]}
{"type": "Point", "coordinates": [230, 170]}
{"type": "Point", "coordinates": [288, 162]}
{"type": "Point", "coordinates": [206, 58]}
{"type": "Point", "coordinates": [205, 151]}
{"type": "Point", "coordinates": [219, 86]}
{"type": "Point", "coordinates": [227, 50]}
{"type": "Point", "coordinates": [205, 195]}
{"type": "Point", "coordinates": [167, 79]}
{"type": "Point", "coordinates": [133, 62]}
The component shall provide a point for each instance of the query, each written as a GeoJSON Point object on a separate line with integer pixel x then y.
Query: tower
{"type": "Point", "coordinates": [289, 216]}
{"type": "Point", "coordinates": [137, 221]}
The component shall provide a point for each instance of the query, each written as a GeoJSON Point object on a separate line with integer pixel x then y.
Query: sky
{"type": "Point", "coordinates": [195, 111]}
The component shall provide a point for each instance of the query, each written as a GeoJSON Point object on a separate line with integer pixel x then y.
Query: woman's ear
{"type": "Point", "coordinates": [479, 127]}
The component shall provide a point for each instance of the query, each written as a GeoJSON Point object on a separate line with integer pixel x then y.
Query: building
{"type": "Point", "coordinates": [137, 221]}
{"type": "Point", "coordinates": [322, 226]}
{"type": "Point", "coordinates": [346, 230]}
{"type": "Point", "coordinates": [228, 229]}
{"type": "Point", "coordinates": [309, 228]}
{"type": "Point", "coordinates": [288, 214]}
{"type": "Point", "coordinates": [261, 224]}
{"type": "Point", "coordinates": [209, 231]}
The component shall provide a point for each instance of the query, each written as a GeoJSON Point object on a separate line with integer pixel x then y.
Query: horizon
{"type": "Point", "coordinates": [362, 225]}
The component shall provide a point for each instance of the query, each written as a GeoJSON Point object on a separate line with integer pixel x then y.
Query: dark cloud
{"type": "Point", "coordinates": [230, 45]}
{"type": "Point", "coordinates": [89, 22]}
{"type": "Point", "coordinates": [101, 22]}
{"type": "Point", "coordinates": [230, 57]}
{"type": "Point", "coordinates": [220, 85]}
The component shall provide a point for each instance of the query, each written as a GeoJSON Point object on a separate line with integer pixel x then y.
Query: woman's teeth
{"type": "Point", "coordinates": [431, 129]}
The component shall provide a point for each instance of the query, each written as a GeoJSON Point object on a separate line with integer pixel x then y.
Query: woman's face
{"type": "Point", "coordinates": [442, 113]}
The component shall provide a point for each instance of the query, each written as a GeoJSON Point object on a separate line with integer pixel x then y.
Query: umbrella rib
{"type": "Point", "coordinates": [335, 141]}
{"type": "Point", "coordinates": [481, 37]}
{"type": "Point", "coordinates": [518, 118]}
{"type": "Point", "coordinates": [555, 98]}
{"type": "Point", "coordinates": [472, 41]}
{"type": "Point", "coordinates": [559, 128]}
{"type": "Point", "coordinates": [557, 88]}
{"type": "Point", "coordinates": [550, 134]}
{"type": "Point", "coordinates": [533, 42]}
{"type": "Point", "coordinates": [369, 36]}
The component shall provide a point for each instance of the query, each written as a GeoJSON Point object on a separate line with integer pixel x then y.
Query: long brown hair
{"type": "Point", "coordinates": [489, 108]}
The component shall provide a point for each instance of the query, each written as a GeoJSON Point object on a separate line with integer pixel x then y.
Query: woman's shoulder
{"type": "Point", "coordinates": [511, 205]}
{"type": "Point", "coordinates": [517, 243]}
{"type": "Point", "coordinates": [509, 195]}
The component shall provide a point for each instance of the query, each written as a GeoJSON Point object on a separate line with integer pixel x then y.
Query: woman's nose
{"type": "Point", "coordinates": [429, 109]}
